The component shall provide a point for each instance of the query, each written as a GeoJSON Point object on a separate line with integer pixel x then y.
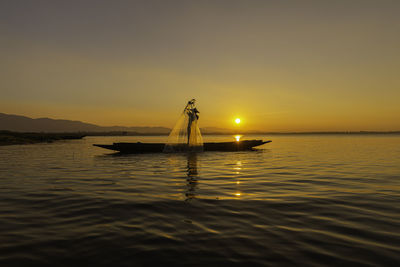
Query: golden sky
{"type": "Point", "coordinates": [278, 65]}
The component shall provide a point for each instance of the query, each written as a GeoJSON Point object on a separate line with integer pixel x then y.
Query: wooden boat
{"type": "Point", "coordinates": [159, 147]}
{"type": "Point", "coordinates": [183, 137]}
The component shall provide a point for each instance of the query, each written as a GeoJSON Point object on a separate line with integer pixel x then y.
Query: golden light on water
{"type": "Point", "coordinates": [237, 138]}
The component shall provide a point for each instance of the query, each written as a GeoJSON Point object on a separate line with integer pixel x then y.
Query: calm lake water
{"type": "Point", "coordinates": [300, 200]}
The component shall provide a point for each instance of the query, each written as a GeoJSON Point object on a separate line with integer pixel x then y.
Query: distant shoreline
{"type": "Point", "coordinates": [19, 138]}
{"type": "Point", "coordinates": [242, 133]}
{"type": "Point", "coordinates": [22, 125]}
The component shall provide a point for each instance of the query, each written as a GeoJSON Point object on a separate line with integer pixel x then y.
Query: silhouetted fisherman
{"type": "Point", "coordinates": [192, 112]}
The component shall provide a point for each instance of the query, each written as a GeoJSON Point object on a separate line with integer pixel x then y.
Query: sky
{"type": "Point", "coordinates": [278, 65]}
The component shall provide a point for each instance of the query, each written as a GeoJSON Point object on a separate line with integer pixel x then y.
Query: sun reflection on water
{"type": "Point", "coordinates": [238, 168]}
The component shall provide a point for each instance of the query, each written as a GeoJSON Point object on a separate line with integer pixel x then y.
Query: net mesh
{"type": "Point", "coordinates": [186, 135]}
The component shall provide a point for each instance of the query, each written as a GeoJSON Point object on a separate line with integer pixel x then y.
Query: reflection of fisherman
{"type": "Point", "coordinates": [191, 176]}
{"type": "Point", "coordinates": [193, 116]}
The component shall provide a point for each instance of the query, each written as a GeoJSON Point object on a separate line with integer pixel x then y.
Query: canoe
{"type": "Point", "coordinates": [159, 147]}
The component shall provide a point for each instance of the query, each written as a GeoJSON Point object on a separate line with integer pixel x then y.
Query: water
{"type": "Point", "coordinates": [301, 200]}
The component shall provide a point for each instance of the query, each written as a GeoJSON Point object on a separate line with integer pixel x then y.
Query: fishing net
{"type": "Point", "coordinates": [186, 136]}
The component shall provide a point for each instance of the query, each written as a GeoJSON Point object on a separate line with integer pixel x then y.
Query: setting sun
{"type": "Point", "coordinates": [237, 120]}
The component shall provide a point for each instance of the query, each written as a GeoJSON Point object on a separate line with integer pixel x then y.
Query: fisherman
{"type": "Point", "coordinates": [193, 116]}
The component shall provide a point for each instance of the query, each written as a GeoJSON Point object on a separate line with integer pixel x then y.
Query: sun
{"type": "Point", "coordinates": [237, 120]}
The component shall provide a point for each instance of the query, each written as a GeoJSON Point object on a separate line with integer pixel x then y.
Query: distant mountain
{"type": "Point", "coordinates": [25, 124]}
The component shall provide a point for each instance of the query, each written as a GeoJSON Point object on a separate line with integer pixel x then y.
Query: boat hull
{"type": "Point", "coordinates": [159, 147]}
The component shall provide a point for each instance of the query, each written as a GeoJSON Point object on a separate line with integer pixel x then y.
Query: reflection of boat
{"type": "Point", "coordinates": [159, 147]}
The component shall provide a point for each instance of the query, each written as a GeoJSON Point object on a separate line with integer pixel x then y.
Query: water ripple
{"type": "Point", "coordinates": [303, 200]}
